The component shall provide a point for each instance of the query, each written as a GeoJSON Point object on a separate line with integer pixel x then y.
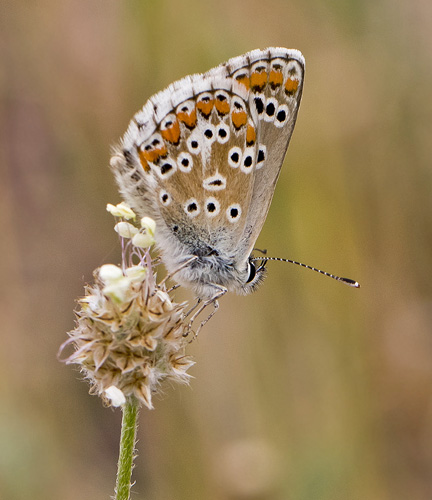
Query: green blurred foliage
{"type": "Point", "coordinates": [305, 390]}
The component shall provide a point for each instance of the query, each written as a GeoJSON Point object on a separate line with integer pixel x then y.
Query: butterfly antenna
{"type": "Point", "coordinates": [347, 281]}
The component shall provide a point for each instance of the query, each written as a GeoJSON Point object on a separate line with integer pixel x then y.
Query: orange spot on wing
{"type": "Point", "coordinates": [239, 119]}
{"type": "Point", "coordinates": [172, 133]}
{"type": "Point", "coordinates": [258, 80]}
{"type": "Point", "coordinates": [244, 80]}
{"type": "Point", "coordinates": [222, 107]}
{"type": "Point", "coordinates": [291, 86]}
{"type": "Point", "coordinates": [250, 135]}
{"type": "Point", "coordinates": [153, 155]}
{"type": "Point", "coordinates": [143, 161]}
{"type": "Point", "coordinates": [205, 106]}
{"type": "Point", "coordinates": [189, 119]}
{"type": "Point", "coordinates": [275, 78]}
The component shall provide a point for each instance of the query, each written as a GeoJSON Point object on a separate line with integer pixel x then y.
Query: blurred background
{"type": "Point", "coordinates": [307, 389]}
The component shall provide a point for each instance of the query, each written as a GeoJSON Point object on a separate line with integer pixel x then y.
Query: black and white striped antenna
{"type": "Point", "coordinates": [346, 281]}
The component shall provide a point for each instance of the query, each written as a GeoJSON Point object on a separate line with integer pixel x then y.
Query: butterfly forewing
{"type": "Point", "coordinates": [274, 79]}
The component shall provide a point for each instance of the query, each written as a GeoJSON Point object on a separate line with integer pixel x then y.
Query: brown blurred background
{"type": "Point", "coordinates": [307, 389]}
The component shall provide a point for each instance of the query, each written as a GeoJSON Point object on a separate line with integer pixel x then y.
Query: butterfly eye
{"type": "Point", "coordinates": [256, 276]}
{"type": "Point", "coordinates": [252, 272]}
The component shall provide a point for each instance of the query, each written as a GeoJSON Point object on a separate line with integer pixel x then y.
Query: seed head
{"type": "Point", "coordinates": [129, 334]}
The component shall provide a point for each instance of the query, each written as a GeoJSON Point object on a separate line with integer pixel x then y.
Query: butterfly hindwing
{"type": "Point", "coordinates": [195, 166]}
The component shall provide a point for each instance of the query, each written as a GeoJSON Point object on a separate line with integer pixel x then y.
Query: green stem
{"type": "Point", "coordinates": [127, 445]}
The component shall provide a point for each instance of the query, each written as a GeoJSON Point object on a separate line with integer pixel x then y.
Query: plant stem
{"type": "Point", "coordinates": [127, 445]}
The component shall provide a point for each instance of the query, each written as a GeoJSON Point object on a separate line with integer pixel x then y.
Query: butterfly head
{"type": "Point", "coordinates": [208, 269]}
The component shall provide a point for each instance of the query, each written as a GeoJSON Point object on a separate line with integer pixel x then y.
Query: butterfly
{"type": "Point", "coordinates": [202, 158]}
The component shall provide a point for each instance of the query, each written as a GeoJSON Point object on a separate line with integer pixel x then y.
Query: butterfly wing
{"type": "Point", "coordinates": [274, 79]}
{"type": "Point", "coordinates": [173, 165]}
{"type": "Point", "coordinates": [203, 156]}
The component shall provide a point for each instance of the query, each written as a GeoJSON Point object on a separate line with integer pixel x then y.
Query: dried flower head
{"type": "Point", "coordinates": [129, 334]}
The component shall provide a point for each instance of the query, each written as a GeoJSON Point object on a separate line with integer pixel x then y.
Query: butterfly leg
{"type": "Point", "coordinates": [174, 287]}
{"type": "Point", "coordinates": [170, 275]}
{"type": "Point", "coordinates": [215, 308]}
{"type": "Point", "coordinates": [192, 309]}
{"type": "Point", "coordinates": [221, 290]}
